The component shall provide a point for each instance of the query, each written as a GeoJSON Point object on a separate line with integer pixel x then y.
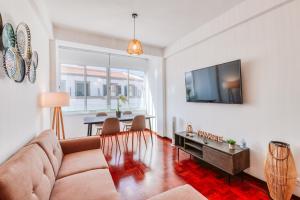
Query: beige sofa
{"type": "Point", "coordinates": [71, 169]}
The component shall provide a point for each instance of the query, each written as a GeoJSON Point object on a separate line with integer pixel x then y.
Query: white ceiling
{"type": "Point", "coordinates": [160, 22]}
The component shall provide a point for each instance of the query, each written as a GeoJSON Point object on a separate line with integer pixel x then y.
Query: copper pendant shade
{"type": "Point", "coordinates": [134, 46]}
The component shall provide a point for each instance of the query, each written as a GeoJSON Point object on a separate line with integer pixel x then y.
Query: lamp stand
{"type": "Point", "coordinates": [57, 121]}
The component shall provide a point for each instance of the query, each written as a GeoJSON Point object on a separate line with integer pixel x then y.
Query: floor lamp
{"type": "Point", "coordinates": [56, 100]}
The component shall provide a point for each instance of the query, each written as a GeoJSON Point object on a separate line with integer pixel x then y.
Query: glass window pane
{"type": "Point", "coordinates": [96, 88]}
{"type": "Point", "coordinates": [118, 86]}
{"type": "Point", "coordinates": [72, 81]}
{"type": "Point", "coordinates": [136, 89]}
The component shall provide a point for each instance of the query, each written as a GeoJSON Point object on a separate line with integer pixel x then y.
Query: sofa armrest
{"type": "Point", "coordinates": [185, 192]}
{"type": "Point", "coordinates": [80, 144]}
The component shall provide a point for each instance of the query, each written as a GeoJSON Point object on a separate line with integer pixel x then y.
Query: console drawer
{"type": "Point", "coordinates": [219, 159]}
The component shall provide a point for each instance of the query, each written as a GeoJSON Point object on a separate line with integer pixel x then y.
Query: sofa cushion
{"type": "Point", "coordinates": [80, 144]}
{"type": "Point", "coordinates": [49, 143]}
{"type": "Point", "coordinates": [82, 161]}
{"type": "Point", "coordinates": [27, 175]}
{"type": "Point", "coordinates": [89, 185]}
{"type": "Point", "coordinates": [185, 192]}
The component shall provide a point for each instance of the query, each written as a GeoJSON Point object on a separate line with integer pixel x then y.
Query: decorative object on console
{"type": "Point", "coordinates": [243, 143]}
{"type": "Point", "coordinates": [56, 100]}
{"type": "Point", "coordinates": [189, 128]}
{"type": "Point", "coordinates": [210, 136]}
{"type": "Point", "coordinates": [31, 71]}
{"type": "Point", "coordinates": [135, 46]}
{"type": "Point", "coordinates": [231, 144]}
{"type": "Point", "coordinates": [190, 134]}
{"type": "Point", "coordinates": [280, 171]}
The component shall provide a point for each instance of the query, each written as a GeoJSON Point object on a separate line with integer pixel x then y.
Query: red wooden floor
{"type": "Point", "coordinates": [140, 172]}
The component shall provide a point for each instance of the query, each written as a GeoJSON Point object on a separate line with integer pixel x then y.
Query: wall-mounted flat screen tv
{"type": "Point", "coordinates": [216, 84]}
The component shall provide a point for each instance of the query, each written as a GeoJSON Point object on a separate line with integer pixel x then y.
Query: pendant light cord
{"type": "Point", "coordinates": [134, 27]}
{"type": "Point", "coordinates": [134, 15]}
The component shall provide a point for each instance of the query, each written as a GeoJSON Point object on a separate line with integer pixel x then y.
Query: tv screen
{"type": "Point", "coordinates": [216, 84]}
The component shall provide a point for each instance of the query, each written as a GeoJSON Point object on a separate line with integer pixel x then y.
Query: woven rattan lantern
{"type": "Point", "coordinates": [280, 171]}
{"type": "Point", "coordinates": [135, 46]}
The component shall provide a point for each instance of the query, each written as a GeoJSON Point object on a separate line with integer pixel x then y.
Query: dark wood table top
{"type": "Point", "coordinates": [123, 118]}
{"type": "Point", "coordinates": [220, 146]}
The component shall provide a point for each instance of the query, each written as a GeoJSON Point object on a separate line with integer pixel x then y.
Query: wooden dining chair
{"type": "Point", "coordinates": [111, 128]}
{"type": "Point", "coordinates": [138, 126]}
{"type": "Point", "coordinates": [99, 126]}
{"type": "Point", "coordinates": [127, 125]}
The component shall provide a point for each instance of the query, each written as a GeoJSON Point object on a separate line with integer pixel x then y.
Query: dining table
{"type": "Point", "coordinates": [124, 118]}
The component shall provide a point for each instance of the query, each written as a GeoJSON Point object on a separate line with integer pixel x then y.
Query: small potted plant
{"type": "Point", "coordinates": [231, 143]}
{"type": "Point", "coordinates": [123, 99]}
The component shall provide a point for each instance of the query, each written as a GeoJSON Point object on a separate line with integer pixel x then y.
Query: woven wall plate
{"type": "Point", "coordinates": [8, 36]}
{"type": "Point", "coordinates": [21, 69]}
{"type": "Point", "coordinates": [31, 73]}
{"type": "Point", "coordinates": [1, 28]}
{"type": "Point", "coordinates": [14, 65]}
{"type": "Point", "coordinates": [9, 63]}
{"type": "Point", "coordinates": [35, 60]}
{"type": "Point", "coordinates": [23, 41]}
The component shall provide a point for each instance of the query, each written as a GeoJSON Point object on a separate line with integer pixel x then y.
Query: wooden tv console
{"type": "Point", "coordinates": [215, 153]}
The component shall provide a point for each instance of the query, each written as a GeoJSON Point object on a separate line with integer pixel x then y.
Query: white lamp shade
{"type": "Point", "coordinates": [54, 99]}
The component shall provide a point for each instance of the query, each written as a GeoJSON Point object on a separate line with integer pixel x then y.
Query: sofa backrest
{"type": "Point", "coordinates": [50, 144]}
{"type": "Point", "coordinates": [27, 175]}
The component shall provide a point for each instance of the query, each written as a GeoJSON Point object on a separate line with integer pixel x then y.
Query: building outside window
{"type": "Point", "coordinates": [97, 98]}
{"type": "Point", "coordinates": [79, 89]}
{"type": "Point", "coordinates": [97, 88]}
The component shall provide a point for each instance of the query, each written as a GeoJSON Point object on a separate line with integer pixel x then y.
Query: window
{"type": "Point", "coordinates": [72, 81]}
{"type": "Point", "coordinates": [97, 96]}
{"type": "Point", "coordinates": [63, 85]}
{"type": "Point", "coordinates": [118, 80]}
{"type": "Point", "coordinates": [97, 84]}
{"type": "Point", "coordinates": [136, 89]}
{"type": "Point", "coordinates": [79, 89]}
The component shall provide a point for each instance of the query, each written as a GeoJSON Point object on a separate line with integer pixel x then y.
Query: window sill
{"type": "Point", "coordinates": [110, 113]}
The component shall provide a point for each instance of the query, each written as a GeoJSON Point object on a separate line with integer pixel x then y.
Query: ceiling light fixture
{"type": "Point", "coordinates": [135, 46]}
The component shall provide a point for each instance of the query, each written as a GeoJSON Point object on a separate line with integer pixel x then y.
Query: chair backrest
{"type": "Point", "coordinates": [101, 114]}
{"type": "Point", "coordinates": [127, 113]}
{"type": "Point", "coordinates": [138, 123]}
{"type": "Point", "coordinates": [111, 126]}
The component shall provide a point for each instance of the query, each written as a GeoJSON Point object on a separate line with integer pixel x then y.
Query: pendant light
{"type": "Point", "coordinates": [135, 46]}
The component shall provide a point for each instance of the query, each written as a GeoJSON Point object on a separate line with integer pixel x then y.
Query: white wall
{"type": "Point", "coordinates": [67, 34]}
{"type": "Point", "coordinates": [20, 117]}
{"type": "Point", "coordinates": [155, 97]}
{"type": "Point", "coordinates": [268, 44]}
